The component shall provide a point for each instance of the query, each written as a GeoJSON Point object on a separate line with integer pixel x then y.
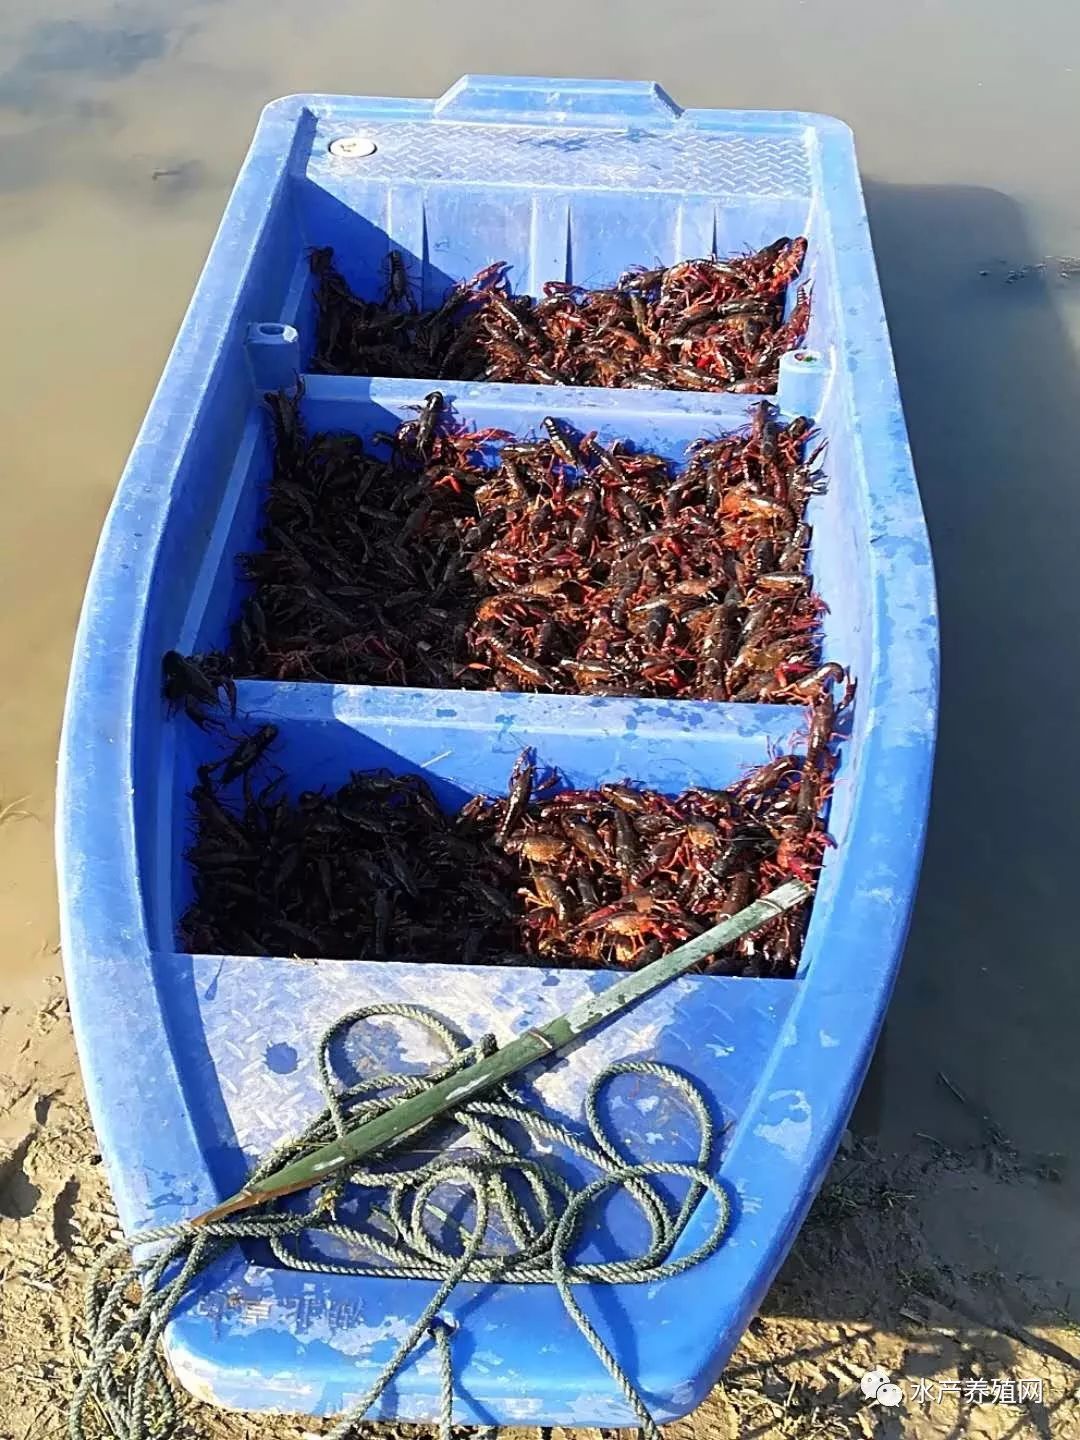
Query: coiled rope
{"type": "Point", "coordinates": [126, 1376]}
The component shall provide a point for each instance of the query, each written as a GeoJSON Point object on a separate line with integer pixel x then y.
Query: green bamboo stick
{"type": "Point", "coordinates": [456, 1090]}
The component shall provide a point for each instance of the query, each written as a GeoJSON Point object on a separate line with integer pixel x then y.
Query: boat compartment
{"type": "Point", "coordinates": [369, 408]}
{"type": "Point", "coordinates": [461, 745]}
{"type": "Point", "coordinates": [578, 202]}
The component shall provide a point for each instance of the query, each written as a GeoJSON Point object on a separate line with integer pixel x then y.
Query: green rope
{"type": "Point", "coordinates": [126, 1377]}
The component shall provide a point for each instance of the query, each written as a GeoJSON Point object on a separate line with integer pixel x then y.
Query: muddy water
{"type": "Point", "coordinates": [121, 127]}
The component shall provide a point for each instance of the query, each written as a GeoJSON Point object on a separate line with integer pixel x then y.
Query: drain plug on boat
{"type": "Point", "coordinates": [353, 147]}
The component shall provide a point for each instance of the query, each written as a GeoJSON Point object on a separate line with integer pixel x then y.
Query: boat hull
{"type": "Point", "coordinates": [196, 1065]}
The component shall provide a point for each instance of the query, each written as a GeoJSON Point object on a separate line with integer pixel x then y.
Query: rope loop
{"type": "Point", "coordinates": [386, 1211]}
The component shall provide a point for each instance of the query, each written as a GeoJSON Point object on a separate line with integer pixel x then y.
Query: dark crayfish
{"type": "Point", "coordinates": [608, 876]}
{"type": "Point", "coordinates": [194, 684]}
{"type": "Point", "coordinates": [705, 324]}
{"type": "Point", "coordinates": [399, 290]}
{"type": "Point", "coordinates": [558, 563]}
{"type": "Point", "coordinates": [242, 759]}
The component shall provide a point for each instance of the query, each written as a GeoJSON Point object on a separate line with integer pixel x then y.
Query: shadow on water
{"type": "Point", "coordinates": [989, 990]}
{"type": "Point", "coordinates": [52, 90]}
{"type": "Point", "coordinates": [53, 52]}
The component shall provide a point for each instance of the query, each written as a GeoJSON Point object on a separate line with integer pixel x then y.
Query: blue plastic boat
{"type": "Point", "coordinates": [196, 1065]}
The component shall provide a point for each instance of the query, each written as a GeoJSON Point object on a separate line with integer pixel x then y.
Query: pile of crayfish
{"type": "Point", "coordinates": [557, 564]}
{"type": "Point", "coordinates": [612, 876]}
{"type": "Point", "coordinates": [706, 324]}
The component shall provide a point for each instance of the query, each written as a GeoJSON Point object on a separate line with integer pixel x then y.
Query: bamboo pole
{"type": "Point", "coordinates": [536, 1044]}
